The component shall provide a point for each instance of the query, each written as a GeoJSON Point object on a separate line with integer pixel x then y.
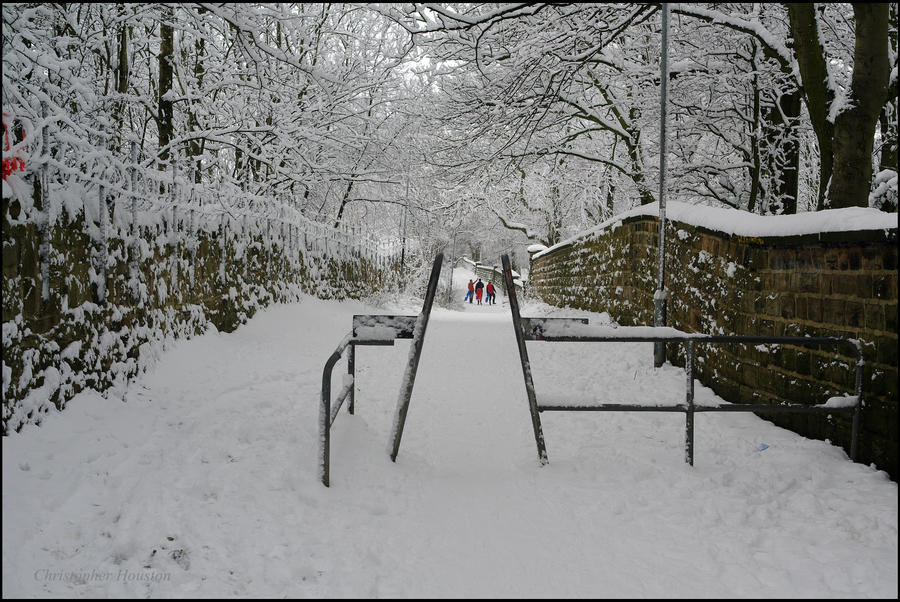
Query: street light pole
{"type": "Point", "coordinates": [659, 297]}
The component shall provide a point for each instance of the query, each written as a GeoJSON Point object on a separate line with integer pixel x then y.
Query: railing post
{"type": "Point", "coordinates": [689, 419]}
{"type": "Point", "coordinates": [409, 377]}
{"type": "Point", "coordinates": [659, 319]}
{"type": "Point", "coordinates": [523, 355]}
{"type": "Point", "coordinates": [854, 429]}
{"type": "Point", "coordinates": [351, 370]}
{"type": "Point", "coordinates": [325, 424]}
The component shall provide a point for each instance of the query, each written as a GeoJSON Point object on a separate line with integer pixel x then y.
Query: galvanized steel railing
{"type": "Point", "coordinates": [374, 330]}
{"type": "Point", "coordinates": [577, 330]}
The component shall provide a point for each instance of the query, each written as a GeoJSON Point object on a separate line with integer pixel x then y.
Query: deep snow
{"type": "Point", "coordinates": [205, 483]}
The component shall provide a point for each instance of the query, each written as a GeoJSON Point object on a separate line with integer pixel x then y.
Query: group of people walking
{"type": "Point", "coordinates": [477, 290]}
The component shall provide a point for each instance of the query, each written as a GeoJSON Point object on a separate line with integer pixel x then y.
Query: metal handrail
{"type": "Point", "coordinates": [575, 330]}
{"type": "Point", "coordinates": [373, 330]}
{"type": "Point", "coordinates": [415, 351]}
{"type": "Point", "coordinates": [326, 417]}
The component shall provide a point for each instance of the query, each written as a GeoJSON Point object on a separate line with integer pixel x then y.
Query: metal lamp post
{"type": "Point", "coordinates": [659, 297]}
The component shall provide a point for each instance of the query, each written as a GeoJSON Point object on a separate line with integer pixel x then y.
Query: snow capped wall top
{"type": "Point", "coordinates": [742, 223]}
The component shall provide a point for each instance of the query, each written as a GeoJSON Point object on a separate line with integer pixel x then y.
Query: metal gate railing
{"type": "Point", "coordinates": [578, 330]}
{"type": "Point", "coordinates": [374, 330]}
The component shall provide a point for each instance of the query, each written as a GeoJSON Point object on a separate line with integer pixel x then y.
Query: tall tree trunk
{"type": "Point", "coordinates": [344, 200]}
{"type": "Point", "coordinates": [166, 57]}
{"type": "Point", "coordinates": [888, 116]}
{"type": "Point", "coordinates": [854, 127]}
{"type": "Point", "coordinates": [238, 163]}
{"type": "Point", "coordinates": [889, 136]}
{"type": "Point", "coordinates": [121, 76]}
{"type": "Point", "coordinates": [633, 147]}
{"type": "Point", "coordinates": [774, 147]}
{"type": "Point", "coordinates": [753, 156]}
{"type": "Point", "coordinates": [195, 147]}
{"type": "Point", "coordinates": [819, 96]}
{"type": "Point", "coordinates": [780, 136]}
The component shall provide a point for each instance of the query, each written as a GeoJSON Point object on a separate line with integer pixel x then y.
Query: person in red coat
{"type": "Point", "coordinates": [471, 292]}
{"type": "Point", "coordinates": [491, 294]}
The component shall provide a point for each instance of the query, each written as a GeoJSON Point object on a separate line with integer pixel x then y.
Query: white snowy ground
{"type": "Point", "coordinates": [205, 483]}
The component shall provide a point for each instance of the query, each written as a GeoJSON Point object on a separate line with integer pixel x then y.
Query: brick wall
{"type": "Point", "coordinates": [830, 284]}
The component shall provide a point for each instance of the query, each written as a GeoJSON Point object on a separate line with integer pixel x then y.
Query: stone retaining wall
{"type": "Point", "coordinates": [172, 283]}
{"type": "Point", "coordinates": [841, 284]}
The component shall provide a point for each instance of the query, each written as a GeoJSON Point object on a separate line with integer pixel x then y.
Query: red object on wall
{"type": "Point", "coordinates": [13, 163]}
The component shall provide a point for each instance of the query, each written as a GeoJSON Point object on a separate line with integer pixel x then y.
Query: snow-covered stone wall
{"type": "Point", "coordinates": [722, 280]}
{"type": "Point", "coordinates": [113, 300]}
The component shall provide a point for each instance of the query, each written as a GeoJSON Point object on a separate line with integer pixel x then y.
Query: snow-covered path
{"type": "Point", "coordinates": [205, 483]}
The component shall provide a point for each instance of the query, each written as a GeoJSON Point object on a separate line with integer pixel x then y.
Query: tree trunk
{"type": "Point", "coordinates": [888, 120]}
{"type": "Point", "coordinates": [166, 56]}
{"type": "Point", "coordinates": [888, 116]}
{"type": "Point", "coordinates": [121, 75]}
{"type": "Point", "coordinates": [854, 126]}
{"type": "Point", "coordinates": [633, 147]}
{"type": "Point", "coordinates": [195, 147]}
{"type": "Point", "coordinates": [344, 201]}
{"type": "Point", "coordinates": [819, 96]}
{"type": "Point", "coordinates": [753, 156]}
{"type": "Point", "coordinates": [781, 138]}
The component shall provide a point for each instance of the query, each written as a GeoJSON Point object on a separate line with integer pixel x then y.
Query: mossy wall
{"type": "Point", "coordinates": [829, 284]}
{"type": "Point", "coordinates": [112, 306]}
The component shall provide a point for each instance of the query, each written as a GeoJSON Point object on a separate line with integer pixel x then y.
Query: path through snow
{"type": "Point", "coordinates": [205, 482]}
